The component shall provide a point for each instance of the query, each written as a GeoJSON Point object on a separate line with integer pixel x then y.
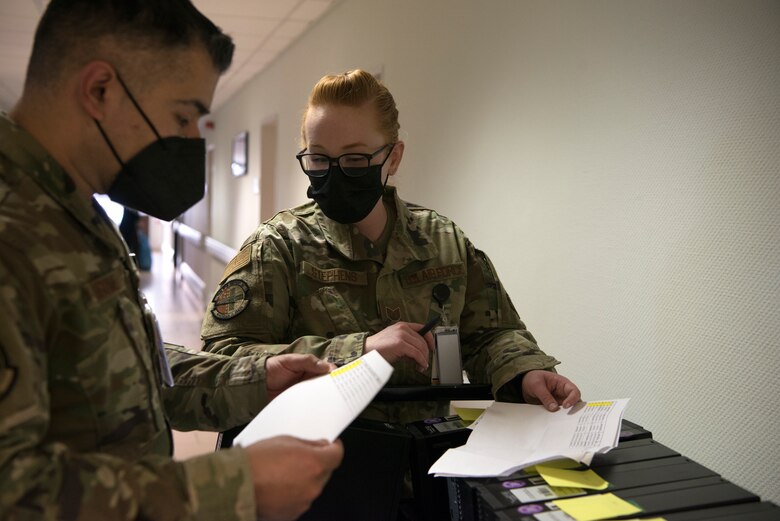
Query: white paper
{"type": "Point", "coordinates": [513, 436]}
{"type": "Point", "coordinates": [320, 408]}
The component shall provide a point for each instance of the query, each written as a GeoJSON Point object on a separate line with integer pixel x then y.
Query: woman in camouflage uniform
{"type": "Point", "coordinates": [355, 270]}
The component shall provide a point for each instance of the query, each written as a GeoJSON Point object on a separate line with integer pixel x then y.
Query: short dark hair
{"type": "Point", "coordinates": [73, 32]}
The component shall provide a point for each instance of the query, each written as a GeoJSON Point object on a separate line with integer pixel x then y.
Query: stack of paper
{"type": "Point", "coordinates": [509, 437]}
{"type": "Point", "coordinates": [322, 407]}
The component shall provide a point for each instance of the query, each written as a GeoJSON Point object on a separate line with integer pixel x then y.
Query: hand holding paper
{"type": "Point", "coordinates": [512, 436]}
{"type": "Point", "coordinates": [552, 390]}
{"type": "Point", "coordinates": [283, 371]}
{"type": "Point", "coordinates": [320, 408]}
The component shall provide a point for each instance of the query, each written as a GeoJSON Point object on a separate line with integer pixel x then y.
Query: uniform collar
{"type": "Point", "coordinates": [35, 163]}
{"type": "Point", "coordinates": [407, 242]}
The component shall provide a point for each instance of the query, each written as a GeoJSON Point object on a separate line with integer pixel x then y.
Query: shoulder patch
{"type": "Point", "coordinates": [231, 299]}
{"type": "Point", "coordinates": [239, 261]}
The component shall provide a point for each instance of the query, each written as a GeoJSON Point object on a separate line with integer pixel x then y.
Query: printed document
{"type": "Point", "coordinates": [322, 407]}
{"type": "Point", "coordinates": [512, 436]}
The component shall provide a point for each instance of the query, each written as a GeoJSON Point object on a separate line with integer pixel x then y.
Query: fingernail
{"type": "Point", "coordinates": [552, 406]}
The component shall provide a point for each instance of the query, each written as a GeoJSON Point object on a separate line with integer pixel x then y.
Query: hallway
{"type": "Point", "coordinates": [179, 314]}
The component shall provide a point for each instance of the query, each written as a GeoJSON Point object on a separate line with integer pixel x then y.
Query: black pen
{"type": "Point", "coordinates": [429, 325]}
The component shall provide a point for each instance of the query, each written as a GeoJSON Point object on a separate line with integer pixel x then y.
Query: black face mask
{"type": "Point", "coordinates": [165, 178]}
{"type": "Point", "coordinates": [345, 199]}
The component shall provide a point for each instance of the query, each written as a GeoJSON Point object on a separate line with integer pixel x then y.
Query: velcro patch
{"type": "Point", "coordinates": [231, 299]}
{"type": "Point", "coordinates": [239, 261]}
{"type": "Point", "coordinates": [334, 275]}
{"type": "Point", "coordinates": [433, 274]}
{"type": "Point", "coordinates": [106, 286]}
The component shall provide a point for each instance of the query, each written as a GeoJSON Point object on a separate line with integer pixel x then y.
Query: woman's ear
{"type": "Point", "coordinates": [97, 89]}
{"type": "Point", "coordinates": [395, 157]}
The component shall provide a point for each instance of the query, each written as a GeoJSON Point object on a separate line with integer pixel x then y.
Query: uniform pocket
{"type": "Point", "coordinates": [135, 373]}
{"type": "Point", "coordinates": [325, 313]}
{"type": "Point", "coordinates": [107, 399]}
{"type": "Point", "coordinates": [338, 310]}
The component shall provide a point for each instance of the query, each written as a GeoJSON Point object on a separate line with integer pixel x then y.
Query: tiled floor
{"type": "Point", "coordinates": [180, 315]}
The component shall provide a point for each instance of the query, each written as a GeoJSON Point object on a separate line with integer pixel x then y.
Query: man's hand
{"type": "Point", "coordinates": [401, 340]}
{"type": "Point", "coordinates": [282, 371]}
{"type": "Point", "coordinates": [289, 473]}
{"type": "Point", "coordinates": [549, 389]}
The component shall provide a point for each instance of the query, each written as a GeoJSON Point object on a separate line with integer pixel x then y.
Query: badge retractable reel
{"type": "Point", "coordinates": [447, 368]}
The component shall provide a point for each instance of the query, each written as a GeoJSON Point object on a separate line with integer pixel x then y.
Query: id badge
{"type": "Point", "coordinates": [153, 328]}
{"type": "Point", "coordinates": [447, 362]}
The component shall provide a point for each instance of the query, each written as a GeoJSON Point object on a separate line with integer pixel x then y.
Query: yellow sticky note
{"type": "Point", "coordinates": [557, 477]}
{"type": "Point", "coordinates": [597, 506]}
{"type": "Point", "coordinates": [468, 414]}
{"type": "Point", "coordinates": [564, 463]}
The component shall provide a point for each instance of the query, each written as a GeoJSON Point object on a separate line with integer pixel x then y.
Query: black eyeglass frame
{"type": "Point", "coordinates": [337, 160]}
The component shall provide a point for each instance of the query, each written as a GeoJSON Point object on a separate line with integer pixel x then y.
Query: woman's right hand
{"type": "Point", "coordinates": [401, 340]}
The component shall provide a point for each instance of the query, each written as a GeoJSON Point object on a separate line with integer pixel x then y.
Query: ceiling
{"type": "Point", "coordinates": [261, 29]}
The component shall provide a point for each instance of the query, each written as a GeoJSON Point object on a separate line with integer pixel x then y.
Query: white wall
{"type": "Point", "coordinates": [619, 162]}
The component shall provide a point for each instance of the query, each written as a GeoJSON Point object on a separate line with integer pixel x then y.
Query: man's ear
{"type": "Point", "coordinates": [395, 157]}
{"type": "Point", "coordinates": [97, 89]}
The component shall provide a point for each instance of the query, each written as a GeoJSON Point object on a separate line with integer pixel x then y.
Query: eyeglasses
{"type": "Point", "coordinates": [352, 164]}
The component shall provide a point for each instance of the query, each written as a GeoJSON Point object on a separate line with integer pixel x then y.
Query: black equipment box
{"type": "Point", "coordinates": [368, 483]}
{"type": "Point", "coordinates": [632, 431]}
{"type": "Point", "coordinates": [624, 476]}
{"type": "Point", "coordinates": [654, 500]}
{"type": "Point", "coordinates": [636, 444]}
{"type": "Point", "coordinates": [763, 511]}
{"type": "Point", "coordinates": [430, 439]}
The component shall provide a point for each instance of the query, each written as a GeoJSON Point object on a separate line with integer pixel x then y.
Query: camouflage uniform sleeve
{"type": "Point", "coordinates": [45, 479]}
{"type": "Point", "coordinates": [213, 392]}
{"type": "Point", "coordinates": [497, 347]}
{"type": "Point", "coordinates": [262, 279]}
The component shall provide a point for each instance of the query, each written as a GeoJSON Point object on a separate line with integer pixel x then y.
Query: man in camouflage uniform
{"type": "Point", "coordinates": [86, 404]}
{"type": "Point", "coordinates": [331, 279]}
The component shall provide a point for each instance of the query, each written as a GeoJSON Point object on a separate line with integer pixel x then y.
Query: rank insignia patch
{"type": "Point", "coordinates": [231, 299]}
{"type": "Point", "coordinates": [393, 314]}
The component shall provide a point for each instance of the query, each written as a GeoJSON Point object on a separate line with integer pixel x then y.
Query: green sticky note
{"type": "Point", "coordinates": [557, 477]}
{"type": "Point", "coordinates": [597, 506]}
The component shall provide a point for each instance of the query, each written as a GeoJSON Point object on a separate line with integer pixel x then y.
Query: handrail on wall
{"type": "Point", "coordinates": [220, 251]}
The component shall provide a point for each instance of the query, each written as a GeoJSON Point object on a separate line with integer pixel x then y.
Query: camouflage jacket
{"type": "Point", "coordinates": [83, 417]}
{"type": "Point", "coordinates": [304, 283]}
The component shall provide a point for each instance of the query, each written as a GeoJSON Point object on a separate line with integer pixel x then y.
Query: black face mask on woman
{"type": "Point", "coordinates": [165, 178]}
{"type": "Point", "coordinates": [345, 199]}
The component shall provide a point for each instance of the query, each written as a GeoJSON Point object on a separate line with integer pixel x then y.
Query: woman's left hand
{"type": "Point", "coordinates": [549, 389]}
{"type": "Point", "coordinates": [283, 371]}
